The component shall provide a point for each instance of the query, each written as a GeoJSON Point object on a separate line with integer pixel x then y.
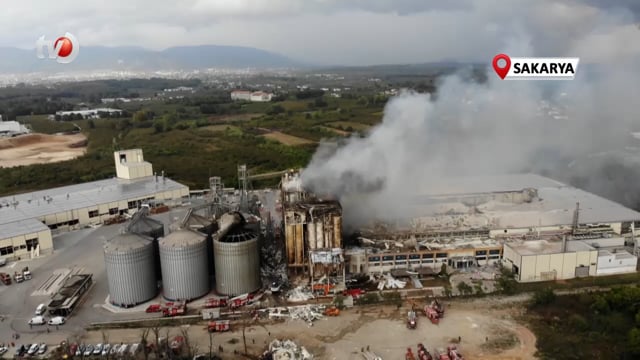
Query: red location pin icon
{"type": "Point", "coordinates": [502, 71]}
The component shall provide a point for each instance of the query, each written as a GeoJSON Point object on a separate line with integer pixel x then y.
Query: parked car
{"type": "Point", "coordinates": [37, 320]}
{"type": "Point", "coordinates": [42, 349]}
{"type": "Point", "coordinates": [58, 320]}
{"type": "Point", "coordinates": [73, 349]}
{"type": "Point", "coordinates": [98, 349]}
{"type": "Point", "coordinates": [106, 349]}
{"type": "Point", "coordinates": [88, 350]}
{"type": "Point", "coordinates": [114, 349]}
{"type": "Point", "coordinates": [123, 349]}
{"type": "Point", "coordinates": [33, 349]}
{"type": "Point", "coordinates": [3, 349]}
{"type": "Point", "coordinates": [134, 349]}
{"type": "Point", "coordinates": [20, 350]}
{"type": "Point", "coordinates": [80, 350]}
{"type": "Point", "coordinates": [41, 309]}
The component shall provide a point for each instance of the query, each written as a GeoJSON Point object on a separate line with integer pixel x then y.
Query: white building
{"type": "Point", "coordinates": [12, 128]}
{"type": "Point", "coordinates": [260, 96]}
{"type": "Point", "coordinates": [241, 95]}
{"type": "Point", "coordinates": [91, 113]}
{"type": "Point", "coordinates": [256, 96]}
{"type": "Point", "coordinates": [543, 260]}
{"type": "Point", "coordinates": [27, 220]}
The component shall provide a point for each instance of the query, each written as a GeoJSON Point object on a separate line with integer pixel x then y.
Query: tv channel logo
{"type": "Point", "coordinates": [65, 49]}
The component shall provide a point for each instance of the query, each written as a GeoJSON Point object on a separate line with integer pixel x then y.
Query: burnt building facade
{"type": "Point", "coordinates": [312, 226]}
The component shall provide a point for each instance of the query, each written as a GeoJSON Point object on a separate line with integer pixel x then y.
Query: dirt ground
{"type": "Point", "coordinates": [286, 138]}
{"type": "Point", "coordinates": [487, 331]}
{"type": "Point", "coordinates": [40, 149]}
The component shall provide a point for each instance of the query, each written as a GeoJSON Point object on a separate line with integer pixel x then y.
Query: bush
{"type": "Point", "coordinates": [543, 297]}
{"type": "Point", "coordinates": [369, 298]}
{"type": "Point", "coordinates": [464, 288]}
{"type": "Point", "coordinates": [578, 322]}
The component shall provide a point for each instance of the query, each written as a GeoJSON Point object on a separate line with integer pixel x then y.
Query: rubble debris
{"type": "Point", "coordinates": [389, 282]}
{"type": "Point", "coordinates": [307, 313]}
{"type": "Point", "coordinates": [299, 294]}
{"type": "Point", "coordinates": [286, 350]}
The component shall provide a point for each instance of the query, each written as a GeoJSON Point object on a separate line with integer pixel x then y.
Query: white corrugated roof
{"type": "Point", "coordinates": [555, 204]}
{"type": "Point", "coordinates": [35, 204]}
{"type": "Point", "coordinates": [21, 227]}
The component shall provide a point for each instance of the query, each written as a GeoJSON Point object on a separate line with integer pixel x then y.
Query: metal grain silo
{"type": "Point", "coordinates": [237, 259]}
{"type": "Point", "coordinates": [183, 258]}
{"type": "Point", "coordinates": [131, 274]}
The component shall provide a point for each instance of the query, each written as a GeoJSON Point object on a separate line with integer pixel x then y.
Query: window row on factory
{"type": "Point", "coordinates": [30, 244]}
{"type": "Point", "coordinates": [480, 254]}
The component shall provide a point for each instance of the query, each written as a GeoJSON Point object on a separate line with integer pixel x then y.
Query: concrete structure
{"type": "Point", "coordinates": [237, 260]}
{"type": "Point", "coordinates": [616, 262]}
{"type": "Point", "coordinates": [130, 164]}
{"type": "Point", "coordinates": [130, 265]}
{"type": "Point", "coordinates": [184, 263]}
{"type": "Point", "coordinates": [542, 260]}
{"type": "Point", "coordinates": [12, 128]}
{"type": "Point", "coordinates": [457, 254]}
{"type": "Point", "coordinates": [241, 95]}
{"type": "Point", "coordinates": [256, 96]}
{"type": "Point", "coordinates": [260, 96]}
{"type": "Point", "coordinates": [513, 205]}
{"type": "Point", "coordinates": [27, 220]}
{"type": "Point", "coordinates": [311, 224]}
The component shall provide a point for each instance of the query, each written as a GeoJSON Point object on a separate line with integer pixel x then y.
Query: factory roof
{"type": "Point", "coordinates": [542, 247]}
{"type": "Point", "coordinates": [618, 254]}
{"type": "Point", "coordinates": [554, 205]}
{"type": "Point", "coordinates": [180, 238]}
{"type": "Point", "coordinates": [38, 204]}
{"type": "Point", "coordinates": [21, 227]}
{"type": "Point", "coordinates": [486, 184]}
{"type": "Point", "coordinates": [125, 242]}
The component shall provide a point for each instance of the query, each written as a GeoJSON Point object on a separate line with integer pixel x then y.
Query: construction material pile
{"type": "Point", "coordinates": [307, 313]}
{"type": "Point", "coordinates": [288, 350]}
{"type": "Point", "coordinates": [299, 294]}
{"type": "Point", "coordinates": [389, 282]}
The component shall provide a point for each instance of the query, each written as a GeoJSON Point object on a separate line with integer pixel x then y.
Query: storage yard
{"type": "Point", "coordinates": [272, 262]}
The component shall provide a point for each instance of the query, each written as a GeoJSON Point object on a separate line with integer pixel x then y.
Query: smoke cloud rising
{"type": "Point", "coordinates": [504, 126]}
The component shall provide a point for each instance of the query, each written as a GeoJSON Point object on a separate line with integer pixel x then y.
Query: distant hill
{"type": "Point", "coordinates": [13, 60]}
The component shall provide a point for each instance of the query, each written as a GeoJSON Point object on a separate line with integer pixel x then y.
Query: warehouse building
{"type": "Point", "coordinates": [28, 221]}
{"type": "Point", "coordinates": [478, 220]}
{"type": "Point", "coordinates": [544, 260]}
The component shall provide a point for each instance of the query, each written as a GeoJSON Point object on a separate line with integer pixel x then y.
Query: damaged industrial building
{"type": "Point", "coordinates": [467, 222]}
{"type": "Point", "coordinates": [313, 231]}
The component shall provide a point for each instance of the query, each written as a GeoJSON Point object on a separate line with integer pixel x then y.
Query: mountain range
{"type": "Point", "coordinates": [16, 61]}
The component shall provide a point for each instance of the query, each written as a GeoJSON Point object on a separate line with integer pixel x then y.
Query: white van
{"type": "Point", "coordinates": [41, 309]}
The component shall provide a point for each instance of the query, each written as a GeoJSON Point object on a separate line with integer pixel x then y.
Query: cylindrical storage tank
{"type": "Point", "coordinates": [319, 234]}
{"type": "Point", "coordinates": [130, 265]}
{"type": "Point", "coordinates": [183, 258]}
{"type": "Point", "coordinates": [337, 232]}
{"type": "Point", "coordinates": [237, 263]}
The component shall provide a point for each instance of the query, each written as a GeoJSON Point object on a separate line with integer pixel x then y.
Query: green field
{"type": "Point", "coordinates": [190, 145]}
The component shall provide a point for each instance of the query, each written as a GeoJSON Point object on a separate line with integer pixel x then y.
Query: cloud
{"type": "Point", "coordinates": [501, 126]}
{"type": "Point", "coordinates": [350, 32]}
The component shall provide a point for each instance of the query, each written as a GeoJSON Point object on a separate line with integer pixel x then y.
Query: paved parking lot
{"type": "Point", "coordinates": [73, 251]}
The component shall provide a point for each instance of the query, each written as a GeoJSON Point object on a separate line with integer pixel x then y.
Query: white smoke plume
{"type": "Point", "coordinates": [502, 126]}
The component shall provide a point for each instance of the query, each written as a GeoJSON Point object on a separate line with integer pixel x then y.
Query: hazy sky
{"type": "Point", "coordinates": [330, 31]}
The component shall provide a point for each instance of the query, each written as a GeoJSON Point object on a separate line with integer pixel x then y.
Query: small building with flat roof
{"type": "Point", "coordinates": [28, 220]}
{"type": "Point", "coordinates": [545, 260]}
